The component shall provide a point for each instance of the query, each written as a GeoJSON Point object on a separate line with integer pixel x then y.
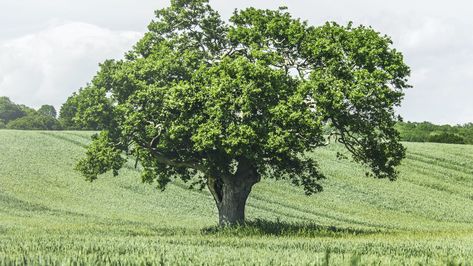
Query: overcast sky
{"type": "Point", "coordinates": [50, 48]}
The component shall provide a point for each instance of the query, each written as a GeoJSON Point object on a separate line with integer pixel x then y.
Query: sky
{"type": "Point", "coordinates": [51, 48]}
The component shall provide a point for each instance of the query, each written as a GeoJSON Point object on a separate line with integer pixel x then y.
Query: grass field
{"type": "Point", "coordinates": [50, 215]}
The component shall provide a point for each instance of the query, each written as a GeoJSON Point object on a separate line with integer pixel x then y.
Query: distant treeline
{"type": "Point", "coordinates": [18, 116]}
{"type": "Point", "coordinates": [428, 132]}
{"type": "Point", "coordinates": [73, 115]}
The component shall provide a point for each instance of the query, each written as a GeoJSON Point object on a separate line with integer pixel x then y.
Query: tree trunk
{"type": "Point", "coordinates": [231, 192]}
{"type": "Point", "coordinates": [231, 208]}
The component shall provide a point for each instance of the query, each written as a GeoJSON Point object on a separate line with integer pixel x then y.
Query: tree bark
{"type": "Point", "coordinates": [231, 192]}
{"type": "Point", "coordinates": [231, 208]}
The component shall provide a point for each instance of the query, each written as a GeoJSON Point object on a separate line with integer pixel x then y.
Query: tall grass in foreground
{"type": "Point", "coordinates": [50, 216]}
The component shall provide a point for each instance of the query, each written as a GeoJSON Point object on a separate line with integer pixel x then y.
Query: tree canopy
{"type": "Point", "coordinates": [47, 110]}
{"type": "Point", "coordinates": [89, 109]}
{"type": "Point", "coordinates": [9, 110]}
{"type": "Point", "coordinates": [223, 104]}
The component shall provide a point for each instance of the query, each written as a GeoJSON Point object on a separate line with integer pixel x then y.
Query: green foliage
{"type": "Point", "coordinates": [47, 110]}
{"type": "Point", "coordinates": [89, 109]}
{"type": "Point", "coordinates": [9, 110]}
{"type": "Point", "coordinates": [68, 111]}
{"type": "Point", "coordinates": [27, 110]}
{"type": "Point", "coordinates": [198, 97]}
{"type": "Point", "coordinates": [428, 132]}
{"type": "Point", "coordinates": [19, 116]}
{"type": "Point", "coordinates": [48, 216]}
{"type": "Point", "coordinates": [35, 121]}
{"type": "Point", "coordinates": [104, 155]}
{"type": "Point", "coordinates": [446, 138]}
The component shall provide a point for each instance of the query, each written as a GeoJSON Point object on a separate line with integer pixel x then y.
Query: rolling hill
{"type": "Point", "coordinates": [50, 215]}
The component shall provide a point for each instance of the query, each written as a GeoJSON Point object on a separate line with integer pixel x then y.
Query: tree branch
{"type": "Point", "coordinates": [171, 162]}
{"type": "Point", "coordinates": [162, 158]}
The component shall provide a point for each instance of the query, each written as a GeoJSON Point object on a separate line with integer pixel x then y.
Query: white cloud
{"type": "Point", "coordinates": [47, 66]}
{"type": "Point", "coordinates": [440, 53]}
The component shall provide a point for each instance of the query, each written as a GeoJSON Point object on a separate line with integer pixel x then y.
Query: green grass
{"type": "Point", "coordinates": [49, 215]}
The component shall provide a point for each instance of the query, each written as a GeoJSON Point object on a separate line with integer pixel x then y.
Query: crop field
{"type": "Point", "coordinates": [50, 216]}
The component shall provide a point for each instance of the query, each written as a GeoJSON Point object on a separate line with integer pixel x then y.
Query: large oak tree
{"type": "Point", "coordinates": [224, 104]}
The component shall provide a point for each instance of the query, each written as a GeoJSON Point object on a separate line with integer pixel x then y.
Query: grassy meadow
{"type": "Point", "coordinates": [50, 216]}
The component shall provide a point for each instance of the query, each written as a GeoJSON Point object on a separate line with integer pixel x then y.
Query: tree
{"type": "Point", "coordinates": [89, 109]}
{"type": "Point", "coordinates": [35, 121]}
{"type": "Point", "coordinates": [68, 111]}
{"type": "Point", "coordinates": [9, 110]}
{"type": "Point", "coordinates": [222, 105]}
{"type": "Point", "coordinates": [47, 110]}
{"type": "Point", "coordinates": [446, 137]}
